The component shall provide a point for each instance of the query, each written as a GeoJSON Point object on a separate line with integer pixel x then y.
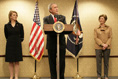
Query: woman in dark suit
{"type": "Point", "coordinates": [103, 37]}
{"type": "Point", "coordinates": [14, 34]}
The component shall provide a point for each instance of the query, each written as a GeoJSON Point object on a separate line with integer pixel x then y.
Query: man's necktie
{"type": "Point", "coordinates": [55, 19]}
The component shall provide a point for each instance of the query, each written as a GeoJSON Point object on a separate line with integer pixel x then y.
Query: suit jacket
{"type": "Point", "coordinates": [102, 36]}
{"type": "Point", "coordinates": [52, 37]}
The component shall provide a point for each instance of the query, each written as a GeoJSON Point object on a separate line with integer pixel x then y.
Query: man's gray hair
{"type": "Point", "coordinates": [50, 6]}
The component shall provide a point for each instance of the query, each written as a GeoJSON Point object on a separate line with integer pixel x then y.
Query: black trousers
{"type": "Point", "coordinates": [52, 63]}
{"type": "Point", "coordinates": [106, 54]}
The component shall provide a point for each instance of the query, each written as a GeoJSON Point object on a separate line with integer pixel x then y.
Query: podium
{"type": "Point", "coordinates": [59, 28]}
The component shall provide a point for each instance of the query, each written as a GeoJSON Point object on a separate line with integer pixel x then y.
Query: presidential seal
{"type": "Point", "coordinates": [58, 27]}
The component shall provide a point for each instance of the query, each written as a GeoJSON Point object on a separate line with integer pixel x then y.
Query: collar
{"type": "Point", "coordinates": [100, 26]}
{"type": "Point", "coordinates": [52, 15]}
{"type": "Point", "coordinates": [10, 22]}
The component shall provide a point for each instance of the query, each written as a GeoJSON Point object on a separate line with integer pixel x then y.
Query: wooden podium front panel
{"type": "Point", "coordinates": [48, 28]}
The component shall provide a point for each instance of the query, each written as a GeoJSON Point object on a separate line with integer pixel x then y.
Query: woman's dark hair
{"type": "Point", "coordinates": [103, 15]}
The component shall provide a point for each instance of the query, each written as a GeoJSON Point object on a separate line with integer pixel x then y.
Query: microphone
{"type": "Point", "coordinates": [56, 16]}
{"type": "Point", "coordinates": [59, 17]}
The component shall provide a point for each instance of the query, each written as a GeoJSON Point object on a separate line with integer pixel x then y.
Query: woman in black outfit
{"type": "Point", "coordinates": [14, 34]}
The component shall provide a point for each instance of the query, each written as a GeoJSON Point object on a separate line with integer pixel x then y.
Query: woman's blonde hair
{"type": "Point", "coordinates": [10, 14]}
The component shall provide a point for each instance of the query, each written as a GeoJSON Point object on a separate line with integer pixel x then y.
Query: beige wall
{"type": "Point", "coordinates": [89, 10]}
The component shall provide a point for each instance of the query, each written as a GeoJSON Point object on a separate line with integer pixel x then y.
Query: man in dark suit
{"type": "Point", "coordinates": [52, 42]}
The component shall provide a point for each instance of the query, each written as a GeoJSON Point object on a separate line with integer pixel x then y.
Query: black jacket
{"type": "Point", "coordinates": [52, 37]}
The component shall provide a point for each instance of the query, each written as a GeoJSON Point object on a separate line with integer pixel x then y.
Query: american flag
{"type": "Point", "coordinates": [36, 43]}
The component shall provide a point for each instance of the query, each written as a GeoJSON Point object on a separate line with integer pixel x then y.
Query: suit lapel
{"type": "Point", "coordinates": [51, 21]}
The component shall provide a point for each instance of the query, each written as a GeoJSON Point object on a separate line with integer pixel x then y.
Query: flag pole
{"type": "Point", "coordinates": [36, 0]}
{"type": "Point", "coordinates": [77, 66]}
{"type": "Point", "coordinates": [77, 75]}
{"type": "Point", "coordinates": [35, 75]}
{"type": "Point", "coordinates": [35, 66]}
{"type": "Point", "coordinates": [37, 22]}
